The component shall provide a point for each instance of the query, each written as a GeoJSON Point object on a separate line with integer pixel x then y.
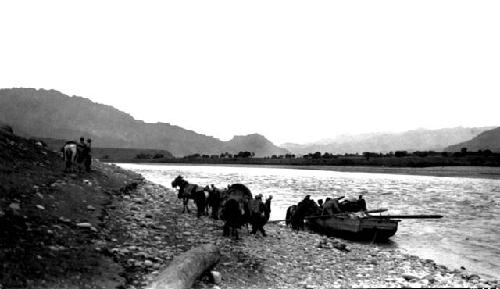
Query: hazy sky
{"type": "Point", "coordinates": [291, 70]}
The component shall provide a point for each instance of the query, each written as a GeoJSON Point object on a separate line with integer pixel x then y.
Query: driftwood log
{"type": "Point", "coordinates": [187, 267]}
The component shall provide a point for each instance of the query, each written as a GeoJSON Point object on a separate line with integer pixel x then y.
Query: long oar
{"type": "Point", "coordinates": [408, 216]}
{"type": "Point", "coordinates": [339, 214]}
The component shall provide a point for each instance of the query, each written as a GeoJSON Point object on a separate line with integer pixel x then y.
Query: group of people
{"type": "Point", "coordinates": [296, 214]}
{"type": "Point", "coordinates": [332, 206]}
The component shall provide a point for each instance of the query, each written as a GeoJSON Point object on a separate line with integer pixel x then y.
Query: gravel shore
{"type": "Point", "coordinates": [146, 230]}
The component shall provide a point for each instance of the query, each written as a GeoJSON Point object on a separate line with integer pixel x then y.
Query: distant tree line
{"type": "Point", "coordinates": [318, 155]}
{"type": "Point", "coordinates": [225, 155]}
{"type": "Point", "coordinates": [145, 156]}
{"type": "Point", "coordinates": [397, 158]}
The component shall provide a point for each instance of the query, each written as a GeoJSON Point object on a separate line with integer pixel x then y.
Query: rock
{"type": "Point", "coordinates": [148, 263]}
{"type": "Point", "coordinates": [409, 276]}
{"type": "Point", "coordinates": [15, 207]}
{"type": "Point", "coordinates": [90, 208]}
{"type": "Point", "coordinates": [64, 220]}
{"type": "Point", "coordinates": [84, 225]}
{"type": "Point", "coordinates": [40, 207]}
{"type": "Point", "coordinates": [474, 277]}
{"type": "Point", "coordinates": [216, 277]}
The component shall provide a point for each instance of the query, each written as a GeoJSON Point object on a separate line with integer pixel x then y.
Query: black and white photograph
{"type": "Point", "coordinates": [249, 144]}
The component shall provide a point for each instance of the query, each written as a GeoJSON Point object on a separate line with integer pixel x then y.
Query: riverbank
{"type": "Point", "coordinates": [154, 231]}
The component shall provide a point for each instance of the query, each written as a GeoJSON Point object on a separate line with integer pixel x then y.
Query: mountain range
{"type": "Point", "coordinates": [51, 114]}
{"type": "Point", "coordinates": [413, 140]}
{"type": "Point", "coordinates": [486, 140]}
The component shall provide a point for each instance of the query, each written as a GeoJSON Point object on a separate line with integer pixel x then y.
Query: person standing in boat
{"type": "Point", "coordinates": [361, 203]}
{"type": "Point", "coordinates": [320, 204]}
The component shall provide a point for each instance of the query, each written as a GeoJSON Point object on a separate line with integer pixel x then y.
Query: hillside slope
{"type": "Point", "coordinates": [51, 114]}
{"type": "Point", "coordinates": [41, 243]}
{"type": "Point", "coordinates": [489, 139]}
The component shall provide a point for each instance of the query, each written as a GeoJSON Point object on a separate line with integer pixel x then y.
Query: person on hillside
{"type": "Point", "coordinates": [81, 148]}
{"type": "Point", "coordinates": [88, 155]}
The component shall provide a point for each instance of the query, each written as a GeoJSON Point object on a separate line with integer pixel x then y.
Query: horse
{"type": "Point", "coordinates": [70, 154]}
{"type": "Point", "coordinates": [190, 191]}
{"type": "Point", "coordinates": [305, 209]}
{"type": "Point", "coordinates": [235, 208]}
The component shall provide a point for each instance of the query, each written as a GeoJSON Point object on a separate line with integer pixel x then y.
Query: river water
{"type": "Point", "coordinates": [468, 235]}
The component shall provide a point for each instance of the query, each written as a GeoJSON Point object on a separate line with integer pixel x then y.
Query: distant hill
{"type": "Point", "coordinates": [489, 139]}
{"type": "Point", "coordinates": [254, 143]}
{"type": "Point", "coordinates": [414, 140]}
{"type": "Point", "coordinates": [51, 114]}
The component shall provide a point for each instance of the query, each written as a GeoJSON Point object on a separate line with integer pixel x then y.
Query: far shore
{"type": "Point", "coordinates": [481, 172]}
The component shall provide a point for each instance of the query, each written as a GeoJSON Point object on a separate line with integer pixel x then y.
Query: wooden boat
{"type": "Point", "coordinates": [354, 226]}
{"type": "Point", "coordinates": [360, 226]}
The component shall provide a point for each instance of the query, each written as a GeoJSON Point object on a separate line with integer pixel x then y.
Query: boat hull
{"type": "Point", "coordinates": [354, 227]}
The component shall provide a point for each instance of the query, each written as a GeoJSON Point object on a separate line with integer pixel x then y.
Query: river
{"type": "Point", "coordinates": [467, 235]}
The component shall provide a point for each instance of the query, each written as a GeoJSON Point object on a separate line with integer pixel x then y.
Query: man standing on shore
{"type": "Point", "coordinates": [258, 215]}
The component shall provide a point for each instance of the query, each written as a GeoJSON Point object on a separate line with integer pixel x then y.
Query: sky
{"type": "Point", "coordinates": [293, 71]}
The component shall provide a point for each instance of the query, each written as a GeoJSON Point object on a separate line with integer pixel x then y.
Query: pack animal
{"type": "Point", "coordinates": [235, 209]}
{"type": "Point", "coordinates": [190, 191]}
{"type": "Point", "coordinates": [305, 208]}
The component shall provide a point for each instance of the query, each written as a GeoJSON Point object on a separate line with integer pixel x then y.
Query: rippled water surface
{"type": "Point", "coordinates": [467, 236]}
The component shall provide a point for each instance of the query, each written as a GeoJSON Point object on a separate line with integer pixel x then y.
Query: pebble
{"type": "Point", "coordinates": [15, 206]}
{"type": "Point", "coordinates": [216, 277]}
